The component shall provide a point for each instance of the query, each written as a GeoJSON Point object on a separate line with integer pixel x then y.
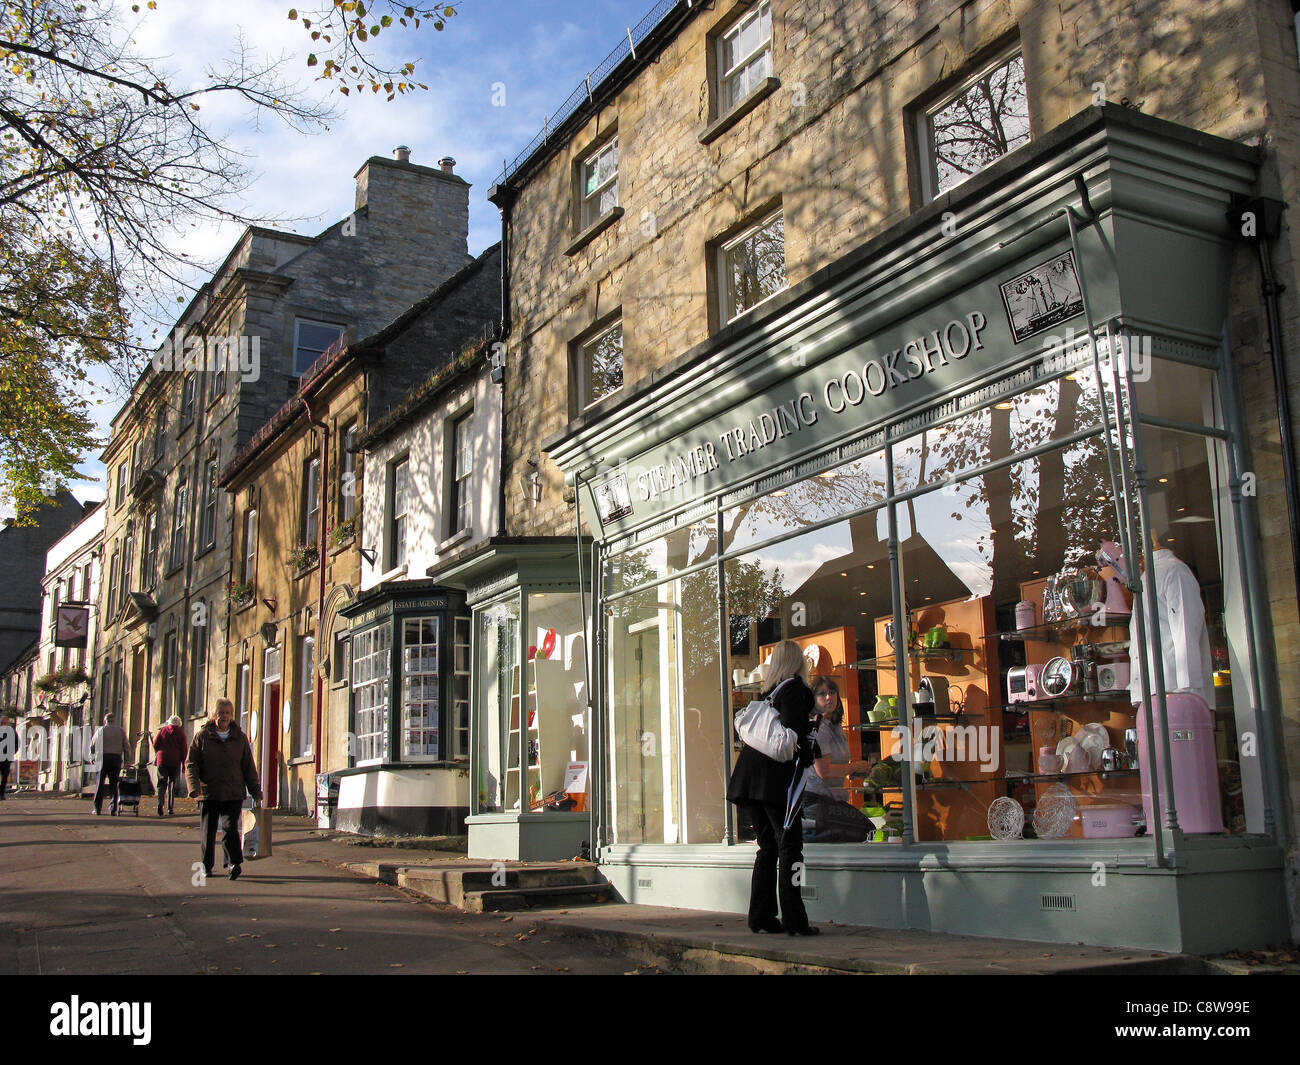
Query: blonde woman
{"type": "Point", "coordinates": [761, 784]}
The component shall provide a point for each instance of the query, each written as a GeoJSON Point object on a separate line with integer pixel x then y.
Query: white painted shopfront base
{"type": "Point", "coordinates": [405, 801]}
{"type": "Point", "coordinates": [550, 835]}
{"type": "Point", "coordinates": [1224, 894]}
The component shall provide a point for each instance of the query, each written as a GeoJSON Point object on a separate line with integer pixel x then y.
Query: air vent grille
{"type": "Point", "coordinates": [1058, 902]}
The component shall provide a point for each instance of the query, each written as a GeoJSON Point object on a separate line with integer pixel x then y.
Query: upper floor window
{"type": "Point", "coordinates": [149, 561]}
{"type": "Point", "coordinates": [599, 183]}
{"type": "Point", "coordinates": [187, 399]}
{"type": "Point", "coordinates": [744, 57]}
{"type": "Point", "coordinates": [310, 342]}
{"type": "Point", "coordinates": [159, 430]}
{"type": "Point", "coordinates": [311, 501]}
{"type": "Point", "coordinates": [250, 545]}
{"type": "Point", "coordinates": [348, 473]}
{"type": "Point", "coordinates": [401, 490]}
{"type": "Point", "coordinates": [751, 266]}
{"type": "Point", "coordinates": [111, 598]}
{"type": "Point", "coordinates": [200, 656]}
{"type": "Point", "coordinates": [987, 117]}
{"type": "Point", "coordinates": [208, 513]}
{"type": "Point", "coordinates": [122, 478]}
{"type": "Point", "coordinates": [178, 525]}
{"type": "Point", "coordinates": [600, 365]}
{"type": "Point", "coordinates": [128, 552]}
{"type": "Point", "coordinates": [462, 470]}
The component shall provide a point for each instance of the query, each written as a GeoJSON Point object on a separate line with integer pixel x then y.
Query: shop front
{"type": "Point", "coordinates": [990, 473]}
{"type": "Point", "coordinates": [529, 768]}
{"type": "Point", "coordinates": [409, 735]}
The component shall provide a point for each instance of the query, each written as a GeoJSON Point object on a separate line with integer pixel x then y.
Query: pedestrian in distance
{"type": "Point", "coordinates": [108, 750]}
{"type": "Point", "coordinates": [219, 772]}
{"type": "Point", "coordinates": [8, 748]}
{"type": "Point", "coordinates": [170, 748]}
{"type": "Point", "coordinates": [762, 785]}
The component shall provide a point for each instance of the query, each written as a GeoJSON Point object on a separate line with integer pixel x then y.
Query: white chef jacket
{"type": "Point", "coordinates": [1184, 639]}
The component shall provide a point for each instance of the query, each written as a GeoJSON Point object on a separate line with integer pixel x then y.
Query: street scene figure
{"type": "Point", "coordinates": [170, 748]}
{"type": "Point", "coordinates": [108, 749]}
{"type": "Point", "coordinates": [219, 772]}
{"type": "Point", "coordinates": [8, 747]}
{"type": "Point", "coordinates": [762, 784]}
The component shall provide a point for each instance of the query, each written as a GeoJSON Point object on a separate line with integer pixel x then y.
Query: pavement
{"type": "Point", "coordinates": [661, 939]}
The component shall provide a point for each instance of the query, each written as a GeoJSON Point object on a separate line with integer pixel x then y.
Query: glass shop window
{"type": "Point", "coordinates": [666, 771]}
{"type": "Point", "coordinates": [557, 733]}
{"type": "Point", "coordinates": [421, 718]}
{"type": "Point", "coordinates": [371, 670]}
{"type": "Point", "coordinates": [498, 704]}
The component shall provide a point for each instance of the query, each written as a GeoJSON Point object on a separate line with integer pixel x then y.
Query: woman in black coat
{"type": "Point", "coordinates": [762, 785]}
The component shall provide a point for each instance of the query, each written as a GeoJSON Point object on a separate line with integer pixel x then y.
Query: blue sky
{"type": "Point", "coordinates": [538, 51]}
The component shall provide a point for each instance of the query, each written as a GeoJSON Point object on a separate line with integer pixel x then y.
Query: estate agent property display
{"type": "Point", "coordinates": [1001, 470]}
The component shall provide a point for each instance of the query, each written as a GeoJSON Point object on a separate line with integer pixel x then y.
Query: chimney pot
{"type": "Point", "coordinates": [448, 164]}
{"type": "Point", "coordinates": [402, 153]}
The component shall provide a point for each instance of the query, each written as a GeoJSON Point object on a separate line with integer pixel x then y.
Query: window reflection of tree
{"type": "Point", "coordinates": [981, 125]}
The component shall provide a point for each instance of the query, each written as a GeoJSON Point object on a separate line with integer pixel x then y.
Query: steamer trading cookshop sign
{"type": "Point", "coordinates": [952, 343]}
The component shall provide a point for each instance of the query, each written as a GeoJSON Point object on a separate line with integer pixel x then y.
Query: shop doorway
{"type": "Point", "coordinates": [268, 767]}
{"type": "Point", "coordinates": [139, 673]}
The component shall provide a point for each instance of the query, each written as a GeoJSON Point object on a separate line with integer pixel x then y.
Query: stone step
{"type": "Point", "coordinates": [495, 900]}
{"type": "Point", "coordinates": [468, 888]}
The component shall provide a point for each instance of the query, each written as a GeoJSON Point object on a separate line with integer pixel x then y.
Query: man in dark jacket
{"type": "Point", "coordinates": [170, 749]}
{"type": "Point", "coordinates": [219, 772]}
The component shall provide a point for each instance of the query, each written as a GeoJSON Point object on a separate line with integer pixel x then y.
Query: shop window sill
{"type": "Point", "coordinates": [594, 230]}
{"type": "Point", "coordinates": [722, 123]}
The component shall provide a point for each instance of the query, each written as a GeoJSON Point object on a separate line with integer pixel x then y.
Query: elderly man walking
{"type": "Point", "coordinates": [108, 749]}
{"type": "Point", "coordinates": [219, 771]}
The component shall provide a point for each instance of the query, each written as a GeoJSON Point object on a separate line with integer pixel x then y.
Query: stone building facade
{"type": "Point", "coordinates": [22, 562]}
{"type": "Point", "coordinates": [829, 147]}
{"type": "Point", "coordinates": [304, 511]}
{"type": "Point", "coordinates": [270, 311]}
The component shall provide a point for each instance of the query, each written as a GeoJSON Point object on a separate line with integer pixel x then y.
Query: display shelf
{"type": "Point", "coordinates": [1050, 631]}
{"type": "Point", "coordinates": [1058, 705]}
{"type": "Point", "coordinates": [1105, 774]}
{"type": "Point", "coordinates": [942, 719]}
{"type": "Point", "coordinates": [918, 654]}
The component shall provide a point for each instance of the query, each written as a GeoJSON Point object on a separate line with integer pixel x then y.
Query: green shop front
{"type": "Point", "coordinates": [990, 476]}
{"type": "Point", "coordinates": [529, 766]}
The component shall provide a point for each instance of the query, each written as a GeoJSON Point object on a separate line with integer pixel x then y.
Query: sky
{"type": "Point", "coordinates": [536, 52]}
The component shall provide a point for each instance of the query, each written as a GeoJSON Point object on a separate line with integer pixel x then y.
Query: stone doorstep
{"type": "Point", "coordinates": [483, 887]}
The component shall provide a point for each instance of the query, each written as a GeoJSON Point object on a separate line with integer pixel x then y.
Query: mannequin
{"type": "Point", "coordinates": [1184, 639]}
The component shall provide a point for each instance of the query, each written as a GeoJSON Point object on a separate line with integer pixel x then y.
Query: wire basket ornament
{"type": "Point", "coordinates": [1055, 812]}
{"type": "Point", "coordinates": [1006, 818]}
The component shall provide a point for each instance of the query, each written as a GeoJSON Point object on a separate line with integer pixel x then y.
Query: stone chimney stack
{"type": "Point", "coordinates": [402, 153]}
{"type": "Point", "coordinates": [448, 164]}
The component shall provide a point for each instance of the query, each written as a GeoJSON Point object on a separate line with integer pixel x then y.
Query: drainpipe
{"type": "Point", "coordinates": [504, 197]}
{"type": "Point", "coordinates": [1259, 219]}
{"type": "Point", "coordinates": [317, 735]}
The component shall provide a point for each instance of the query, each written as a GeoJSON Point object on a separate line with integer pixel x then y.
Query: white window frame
{"type": "Point", "coordinates": [177, 546]}
{"type": "Point", "coordinates": [250, 544]}
{"type": "Point", "coordinates": [122, 479]}
{"type": "Point", "coordinates": [421, 688]}
{"type": "Point", "coordinates": [586, 396]}
{"type": "Point", "coordinates": [728, 75]}
{"type": "Point", "coordinates": [307, 689]}
{"type": "Point", "coordinates": [726, 300]}
{"type": "Point", "coordinates": [241, 695]}
{"type": "Point", "coordinates": [188, 387]}
{"type": "Point", "coordinates": [310, 528]}
{"type": "Point", "coordinates": [149, 558]}
{"type": "Point", "coordinates": [460, 689]}
{"type": "Point", "coordinates": [462, 472]}
{"type": "Point", "coordinates": [399, 519]}
{"type": "Point", "coordinates": [348, 474]}
{"type": "Point", "coordinates": [298, 323]}
{"type": "Point", "coordinates": [371, 674]}
{"type": "Point", "coordinates": [925, 124]}
{"type": "Point", "coordinates": [589, 209]}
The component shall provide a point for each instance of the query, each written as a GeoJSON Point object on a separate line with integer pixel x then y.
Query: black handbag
{"type": "Point", "coordinates": [831, 821]}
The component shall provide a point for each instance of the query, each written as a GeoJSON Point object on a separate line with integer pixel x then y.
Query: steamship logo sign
{"type": "Point", "coordinates": [613, 501]}
{"type": "Point", "coordinates": [1043, 296]}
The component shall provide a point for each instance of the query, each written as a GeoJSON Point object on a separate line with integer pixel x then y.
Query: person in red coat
{"type": "Point", "coordinates": [170, 747]}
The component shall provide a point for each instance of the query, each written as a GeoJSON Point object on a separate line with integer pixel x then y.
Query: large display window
{"type": "Point", "coordinates": [978, 585]}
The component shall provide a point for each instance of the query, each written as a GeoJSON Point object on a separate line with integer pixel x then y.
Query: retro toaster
{"type": "Point", "coordinates": [1022, 684]}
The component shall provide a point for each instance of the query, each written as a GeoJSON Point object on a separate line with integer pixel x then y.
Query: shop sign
{"type": "Point", "coordinates": [953, 344]}
{"type": "Point", "coordinates": [436, 603]}
{"type": "Point", "coordinates": [71, 626]}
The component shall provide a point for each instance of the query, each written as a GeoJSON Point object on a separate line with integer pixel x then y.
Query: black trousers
{"type": "Point", "coordinates": [167, 778]}
{"type": "Point", "coordinates": [780, 851]}
{"type": "Point", "coordinates": [108, 774]}
{"type": "Point", "coordinates": [227, 814]}
{"type": "Point", "coordinates": [4, 777]}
